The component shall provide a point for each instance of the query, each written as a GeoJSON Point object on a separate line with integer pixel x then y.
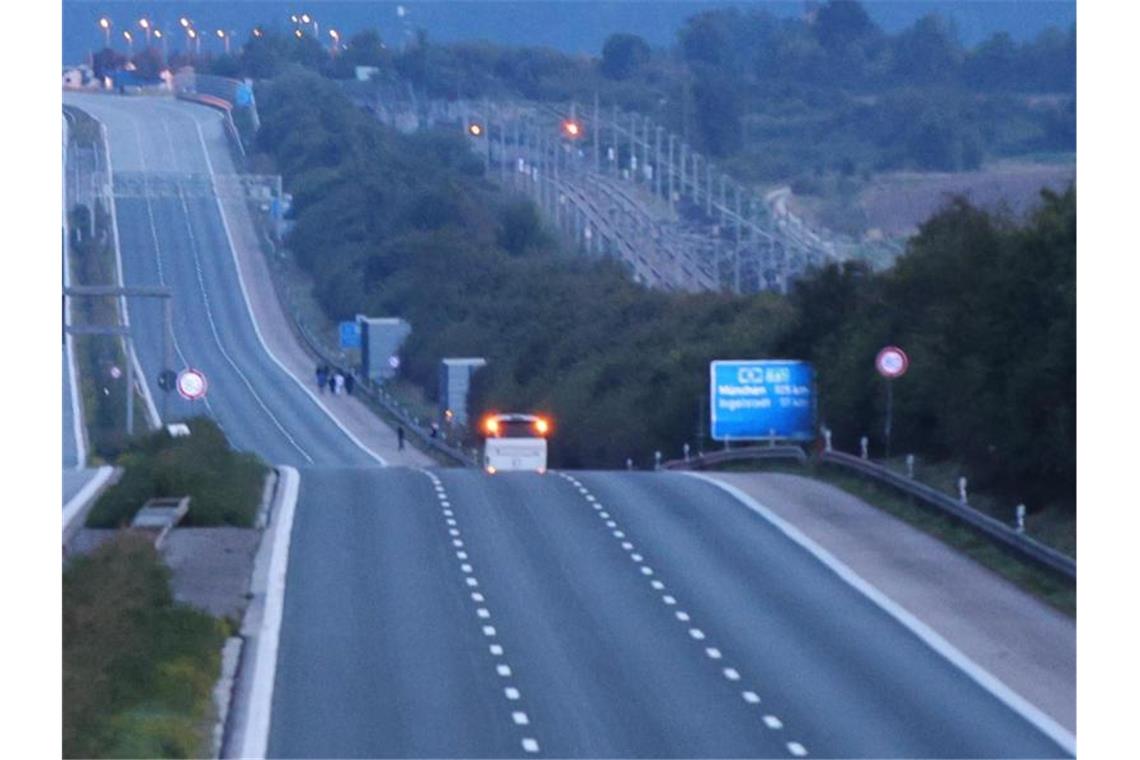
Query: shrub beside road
{"type": "Point", "coordinates": [138, 669]}
{"type": "Point", "coordinates": [224, 485]}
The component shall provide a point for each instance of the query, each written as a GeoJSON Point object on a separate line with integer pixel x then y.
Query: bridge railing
{"type": "Point", "coordinates": [1001, 535]}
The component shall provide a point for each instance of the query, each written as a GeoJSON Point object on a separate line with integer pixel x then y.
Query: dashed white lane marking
{"type": "Point", "coordinates": [519, 717]}
{"type": "Point", "coordinates": [731, 674]}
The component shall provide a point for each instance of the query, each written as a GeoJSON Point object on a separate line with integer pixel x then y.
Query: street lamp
{"type": "Point", "coordinates": [257, 31]}
{"type": "Point", "coordinates": [158, 35]}
{"type": "Point", "coordinates": [225, 38]}
{"type": "Point", "coordinates": [184, 22]}
{"type": "Point", "coordinates": [193, 35]}
{"type": "Point", "coordinates": [144, 23]}
{"type": "Point", "coordinates": [336, 40]}
{"type": "Point", "coordinates": [298, 33]}
{"type": "Point", "coordinates": [105, 25]}
{"type": "Point", "coordinates": [572, 129]}
{"type": "Point", "coordinates": [130, 41]}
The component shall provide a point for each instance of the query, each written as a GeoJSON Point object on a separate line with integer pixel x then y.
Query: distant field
{"type": "Point", "coordinates": [897, 203]}
{"type": "Point", "coordinates": [893, 205]}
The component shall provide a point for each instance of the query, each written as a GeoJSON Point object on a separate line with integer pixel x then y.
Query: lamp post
{"type": "Point", "coordinates": [144, 24]}
{"type": "Point", "coordinates": [225, 38]}
{"type": "Point", "coordinates": [160, 36]}
{"type": "Point", "coordinates": [105, 25]}
{"type": "Point", "coordinates": [130, 42]}
{"type": "Point", "coordinates": [192, 35]}
{"type": "Point", "coordinates": [336, 40]}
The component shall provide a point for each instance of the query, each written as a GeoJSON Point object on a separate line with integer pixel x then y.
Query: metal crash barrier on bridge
{"type": "Point", "coordinates": [999, 533]}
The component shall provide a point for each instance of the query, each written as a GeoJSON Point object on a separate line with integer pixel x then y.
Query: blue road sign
{"type": "Point", "coordinates": [350, 335]}
{"type": "Point", "coordinates": [762, 398]}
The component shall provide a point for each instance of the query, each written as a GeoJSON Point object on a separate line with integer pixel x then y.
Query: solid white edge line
{"type": "Point", "coordinates": [128, 345]}
{"type": "Point", "coordinates": [78, 428]}
{"type": "Point", "coordinates": [253, 319]}
{"type": "Point", "coordinates": [75, 505]}
{"type": "Point", "coordinates": [1046, 725]}
{"type": "Point", "coordinates": [255, 737]}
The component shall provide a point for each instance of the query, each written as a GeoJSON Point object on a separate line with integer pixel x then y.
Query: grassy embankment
{"type": "Point", "coordinates": [224, 485]}
{"type": "Point", "coordinates": [138, 669]}
{"type": "Point", "coordinates": [1053, 590]}
{"type": "Point", "coordinates": [92, 262]}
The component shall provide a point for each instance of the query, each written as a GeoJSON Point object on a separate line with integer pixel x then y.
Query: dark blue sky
{"type": "Point", "coordinates": [572, 25]}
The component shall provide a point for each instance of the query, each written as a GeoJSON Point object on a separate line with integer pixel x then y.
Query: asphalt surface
{"type": "Point", "coordinates": [384, 653]}
{"type": "Point", "coordinates": [505, 616]}
{"type": "Point", "coordinates": [179, 240]}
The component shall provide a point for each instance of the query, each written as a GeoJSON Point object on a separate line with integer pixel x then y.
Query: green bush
{"type": "Point", "coordinates": [224, 486]}
{"type": "Point", "coordinates": [138, 669]}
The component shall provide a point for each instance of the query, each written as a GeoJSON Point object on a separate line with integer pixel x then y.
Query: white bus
{"type": "Point", "coordinates": [514, 442]}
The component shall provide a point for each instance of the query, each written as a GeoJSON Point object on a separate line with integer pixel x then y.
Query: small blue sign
{"type": "Point", "coordinates": [350, 335]}
{"type": "Point", "coordinates": [762, 398]}
{"type": "Point", "coordinates": [243, 95]}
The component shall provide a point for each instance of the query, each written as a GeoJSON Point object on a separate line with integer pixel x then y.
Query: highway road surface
{"type": "Point", "coordinates": [447, 613]}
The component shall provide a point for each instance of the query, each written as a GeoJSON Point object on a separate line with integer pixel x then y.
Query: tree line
{"type": "Point", "coordinates": [408, 225]}
{"type": "Point", "coordinates": [771, 98]}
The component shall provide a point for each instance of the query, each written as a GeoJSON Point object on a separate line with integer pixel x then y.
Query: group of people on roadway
{"type": "Point", "coordinates": [336, 381]}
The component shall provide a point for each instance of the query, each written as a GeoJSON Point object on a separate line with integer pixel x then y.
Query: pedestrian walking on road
{"type": "Point", "coordinates": [349, 383]}
{"type": "Point", "coordinates": [400, 436]}
{"type": "Point", "coordinates": [332, 383]}
{"type": "Point", "coordinates": [338, 383]}
{"type": "Point", "coordinates": [434, 429]}
{"type": "Point", "coordinates": [322, 377]}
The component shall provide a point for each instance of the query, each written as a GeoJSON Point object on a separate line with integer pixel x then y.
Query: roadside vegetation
{"type": "Point", "coordinates": [224, 485]}
{"type": "Point", "coordinates": [138, 669]}
{"type": "Point", "coordinates": [388, 224]}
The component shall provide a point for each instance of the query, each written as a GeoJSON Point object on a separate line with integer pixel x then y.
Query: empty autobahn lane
{"type": "Point", "coordinates": [179, 240]}
{"type": "Point", "coordinates": [598, 615]}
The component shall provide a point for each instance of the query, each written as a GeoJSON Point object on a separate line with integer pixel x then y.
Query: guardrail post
{"type": "Point", "coordinates": [628, 463]}
{"type": "Point", "coordinates": [962, 489]}
{"type": "Point", "coordinates": [1020, 518]}
{"type": "Point", "coordinates": [827, 439]}
{"type": "Point", "coordinates": [863, 447]}
{"type": "Point", "coordinates": [771, 437]}
{"type": "Point", "coordinates": [657, 460]}
{"type": "Point", "coordinates": [910, 466]}
{"type": "Point", "coordinates": [685, 448]}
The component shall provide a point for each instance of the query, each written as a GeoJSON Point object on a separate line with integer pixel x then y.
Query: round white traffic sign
{"type": "Point", "coordinates": [191, 384]}
{"type": "Point", "coordinates": [892, 362]}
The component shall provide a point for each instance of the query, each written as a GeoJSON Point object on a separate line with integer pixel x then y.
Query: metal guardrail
{"type": "Point", "coordinates": [1001, 534]}
{"type": "Point", "coordinates": [737, 455]}
{"type": "Point", "coordinates": [377, 394]}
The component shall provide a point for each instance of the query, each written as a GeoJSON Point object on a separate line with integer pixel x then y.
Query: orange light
{"type": "Point", "coordinates": [491, 425]}
{"type": "Point", "coordinates": [541, 426]}
{"type": "Point", "coordinates": [572, 129]}
{"type": "Point", "coordinates": [475, 130]}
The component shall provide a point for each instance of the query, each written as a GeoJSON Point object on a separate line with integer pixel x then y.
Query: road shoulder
{"type": "Point", "coordinates": [1018, 639]}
